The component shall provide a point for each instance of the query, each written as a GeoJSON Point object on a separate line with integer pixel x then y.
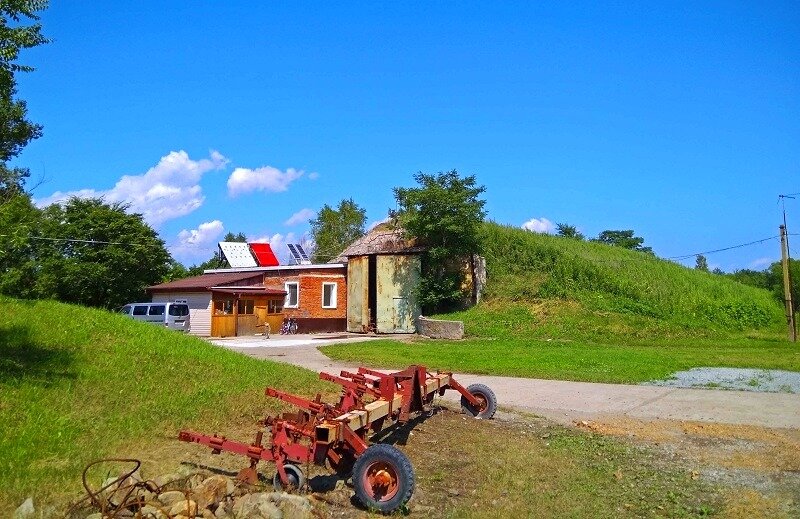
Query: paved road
{"type": "Point", "coordinates": [566, 401]}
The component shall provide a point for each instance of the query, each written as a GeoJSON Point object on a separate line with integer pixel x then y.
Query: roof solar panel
{"type": "Point", "coordinates": [264, 255]}
{"type": "Point", "coordinates": [238, 254]}
{"type": "Point", "coordinates": [299, 256]}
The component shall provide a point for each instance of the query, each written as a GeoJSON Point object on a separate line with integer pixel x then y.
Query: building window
{"type": "Point", "coordinates": [292, 294]}
{"type": "Point", "coordinates": [329, 295]}
{"type": "Point", "coordinates": [246, 307]}
{"type": "Point", "coordinates": [274, 306]}
{"type": "Point", "coordinates": [223, 307]}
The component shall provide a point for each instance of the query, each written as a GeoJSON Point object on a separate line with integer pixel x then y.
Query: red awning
{"type": "Point", "coordinates": [264, 255]}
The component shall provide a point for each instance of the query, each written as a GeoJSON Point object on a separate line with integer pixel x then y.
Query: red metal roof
{"type": "Point", "coordinates": [264, 255]}
{"type": "Point", "coordinates": [247, 290]}
{"type": "Point", "coordinates": [206, 281]}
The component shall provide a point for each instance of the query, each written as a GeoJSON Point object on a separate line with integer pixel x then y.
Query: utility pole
{"type": "Point", "coordinates": [787, 286]}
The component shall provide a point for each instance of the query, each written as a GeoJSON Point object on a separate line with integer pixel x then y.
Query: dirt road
{"type": "Point", "coordinates": [566, 402]}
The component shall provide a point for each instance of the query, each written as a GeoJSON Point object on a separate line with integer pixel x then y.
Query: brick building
{"type": "Point", "coordinates": [237, 301]}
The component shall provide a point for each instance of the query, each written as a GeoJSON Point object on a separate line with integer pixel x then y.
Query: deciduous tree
{"type": "Point", "coordinates": [16, 131]}
{"type": "Point", "coordinates": [701, 263]}
{"type": "Point", "coordinates": [98, 254]}
{"type": "Point", "coordinates": [334, 229]}
{"type": "Point", "coordinates": [569, 231]}
{"type": "Point", "coordinates": [625, 239]}
{"type": "Point", "coordinates": [443, 214]}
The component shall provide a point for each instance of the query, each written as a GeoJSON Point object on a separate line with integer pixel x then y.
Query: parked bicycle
{"type": "Point", "coordinates": [289, 326]}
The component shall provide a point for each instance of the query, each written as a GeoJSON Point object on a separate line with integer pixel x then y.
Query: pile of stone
{"type": "Point", "coordinates": [193, 494]}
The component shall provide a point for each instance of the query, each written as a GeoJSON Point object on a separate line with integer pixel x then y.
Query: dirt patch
{"type": "Point", "coordinates": [762, 465]}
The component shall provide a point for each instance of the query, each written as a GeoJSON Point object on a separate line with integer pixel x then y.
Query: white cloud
{"type": "Point", "coordinates": [267, 178]}
{"type": "Point", "coordinates": [542, 225]}
{"type": "Point", "coordinates": [301, 216]}
{"type": "Point", "coordinates": [313, 175]}
{"type": "Point", "coordinates": [197, 244]}
{"type": "Point", "coordinates": [761, 263]}
{"type": "Point", "coordinates": [168, 190]}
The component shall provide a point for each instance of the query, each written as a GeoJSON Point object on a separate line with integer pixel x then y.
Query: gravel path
{"type": "Point", "coordinates": [759, 380]}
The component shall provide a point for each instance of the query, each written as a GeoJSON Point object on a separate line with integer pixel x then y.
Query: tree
{"type": "Point", "coordinates": [701, 263]}
{"type": "Point", "coordinates": [569, 231]}
{"type": "Point", "coordinates": [16, 131]}
{"type": "Point", "coordinates": [97, 254]}
{"type": "Point", "coordinates": [624, 239]}
{"type": "Point", "coordinates": [443, 214]}
{"type": "Point", "coordinates": [21, 224]}
{"type": "Point", "coordinates": [334, 229]}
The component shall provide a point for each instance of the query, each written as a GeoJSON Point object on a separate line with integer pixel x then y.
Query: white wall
{"type": "Point", "coordinates": [199, 309]}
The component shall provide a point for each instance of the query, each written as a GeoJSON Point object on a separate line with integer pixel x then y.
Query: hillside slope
{"type": "Point", "coordinates": [78, 384]}
{"type": "Point", "coordinates": [613, 292]}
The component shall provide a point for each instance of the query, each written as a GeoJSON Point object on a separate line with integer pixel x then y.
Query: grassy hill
{"type": "Point", "coordinates": [569, 309]}
{"type": "Point", "coordinates": [78, 384]}
{"type": "Point", "coordinates": [631, 292]}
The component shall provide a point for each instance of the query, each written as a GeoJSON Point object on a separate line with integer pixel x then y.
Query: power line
{"type": "Point", "coordinates": [687, 256]}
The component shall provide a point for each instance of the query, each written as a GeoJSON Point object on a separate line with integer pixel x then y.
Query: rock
{"type": "Point", "coordinates": [25, 510]}
{"type": "Point", "coordinates": [212, 490]}
{"type": "Point", "coordinates": [172, 481]}
{"type": "Point", "coordinates": [208, 514]}
{"type": "Point", "coordinates": [256, 506]}
{"type": "Point", "coordinates": [97, 515]}
{"type": "Point", "coordinates": [171, 497]}
{"type": "Point", "coordinates": [186, 507]}
{"type": "Point", "coordinates": [149, 512]}
{"type": "Point", "coordinates": [292, 506]}
{"type": "Point", "coordinates": [224, 510]}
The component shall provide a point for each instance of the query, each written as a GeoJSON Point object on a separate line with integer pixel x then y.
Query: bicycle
{"type": "Point", "coordinates": [289, 326]}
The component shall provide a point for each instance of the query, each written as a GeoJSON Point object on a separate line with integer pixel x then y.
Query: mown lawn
{"type": "Point", "coordinates": [567, 360]}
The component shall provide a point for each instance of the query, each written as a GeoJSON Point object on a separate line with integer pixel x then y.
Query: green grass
{"type": "Point", "coordinates": [566, 309]}
{"type": "Point", "coordinates": [78, 384]}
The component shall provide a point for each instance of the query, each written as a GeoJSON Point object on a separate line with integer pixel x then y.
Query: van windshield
{"type": "Point", "coordinates": [179, 310]}
{"type": "Point", "coordinates": [125, 310]}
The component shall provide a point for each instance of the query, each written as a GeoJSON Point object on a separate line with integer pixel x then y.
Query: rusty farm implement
{"type": "Point", "coordinates": [339, 433]}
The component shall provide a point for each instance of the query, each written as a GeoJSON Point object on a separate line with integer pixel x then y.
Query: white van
{"type": "Point", "coordinates": [173, 315]}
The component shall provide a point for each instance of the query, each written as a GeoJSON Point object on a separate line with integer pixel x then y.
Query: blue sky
{"type": "Point", "coordinates": [680, 121]}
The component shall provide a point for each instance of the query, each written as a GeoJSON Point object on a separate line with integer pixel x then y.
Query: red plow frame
{"type": "Point", "coordinates": [338, 433]}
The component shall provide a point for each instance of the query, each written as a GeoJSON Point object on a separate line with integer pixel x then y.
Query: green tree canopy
{"type": "Point", "coordinates": [100, 255]}
{"type": "Point", "coordinates": [625, 239]}
{"type": "Point", "coordinates": [569, 231]}
{"type": "Point", "coordinates": [334, 229]}
{"type": "Point", "coordinates": [701, 263]}
{"type": "Point", "coordinates": [16, 131]}
{"type": "Point", "coordinates": [444, 214]}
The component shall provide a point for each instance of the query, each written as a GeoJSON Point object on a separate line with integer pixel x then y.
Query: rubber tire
{"type": "Point", "coordinates": [295, 475]}
{"type": "Point", "coordinates": [487, 394]}
{"type": "Point", "coordinates": [402, 467]}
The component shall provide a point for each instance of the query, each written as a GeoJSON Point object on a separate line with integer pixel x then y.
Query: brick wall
{"type": "Point", "coordinates": [310, 295]}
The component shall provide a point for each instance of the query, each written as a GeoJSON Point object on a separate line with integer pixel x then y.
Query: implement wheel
{"type": "Point", "coordinates": [487, 402]}
{"type": "Point", "coordinates": [383, 478]}
{"type": "Point", "coordinates": [296, 478]}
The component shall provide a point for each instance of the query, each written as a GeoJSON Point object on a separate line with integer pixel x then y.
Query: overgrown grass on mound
{"type": "Point", "coordinates": [78, 384]}
{"type": "Point", "coordinates": [527, 267]}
